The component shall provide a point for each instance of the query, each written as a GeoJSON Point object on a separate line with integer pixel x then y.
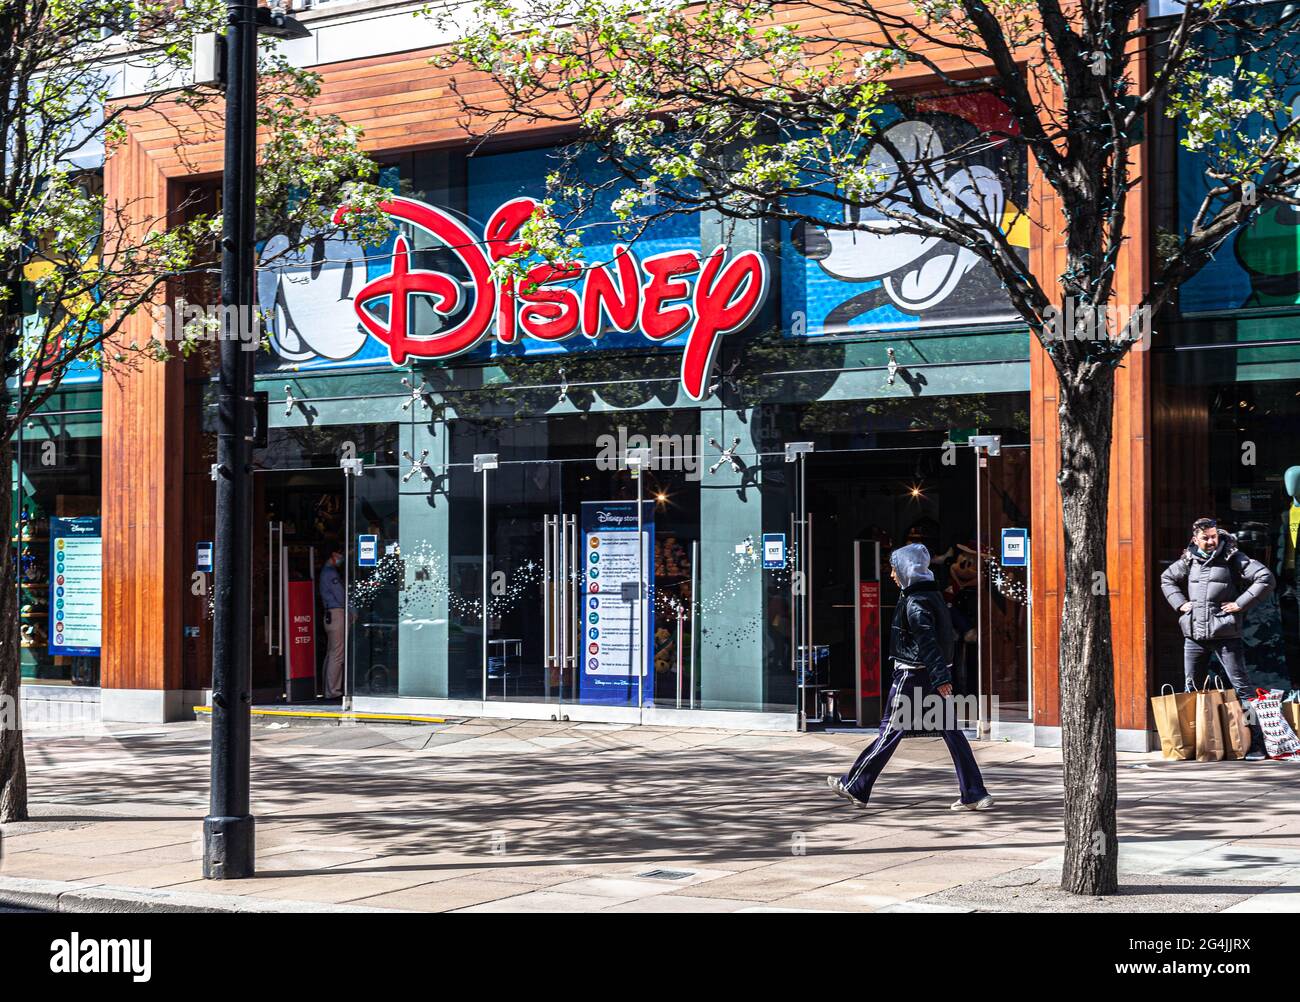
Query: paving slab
{"type": "Point", "coordinates": [557, 816]}
{"type": "Point", "coordinates": [447, 895]}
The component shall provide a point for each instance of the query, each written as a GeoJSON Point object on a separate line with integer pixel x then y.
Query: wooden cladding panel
{"type": "Point", "coordinates": [1128, 576]}
{"type": "Point", "coordinates": [403, 103]}
{"type": "Point", "coordinates": [142, 452]}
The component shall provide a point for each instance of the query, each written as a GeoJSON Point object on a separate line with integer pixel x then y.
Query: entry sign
{"type": "Point", "coordinates": [773, 550]}
{"type": "Point", "coordinates": [1015, 547]}
{"type": "Point", "coordinates": [367, 551]}
{"type": "Point", "coordinates": [203, 557]}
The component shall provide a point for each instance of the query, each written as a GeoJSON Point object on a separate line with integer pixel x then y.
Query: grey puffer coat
{"type": "Point", "coordinates": [1226, 575]}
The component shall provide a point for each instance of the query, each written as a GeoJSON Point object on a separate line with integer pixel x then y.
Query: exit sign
{"type": "Point", "coordinates": [1015, 547]}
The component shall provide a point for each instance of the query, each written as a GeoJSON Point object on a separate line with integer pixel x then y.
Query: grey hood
{"type": "Point", "coordinates": [912, 564]}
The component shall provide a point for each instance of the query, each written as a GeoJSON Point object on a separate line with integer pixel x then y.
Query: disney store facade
{"type": "Point", "coordinates": [745, 398]}
{"type": "Point", "coordinates": [663, 491]}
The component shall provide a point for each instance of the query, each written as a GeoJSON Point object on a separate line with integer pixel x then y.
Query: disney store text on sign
{"type": "Point", "coordinates": [679, 292]}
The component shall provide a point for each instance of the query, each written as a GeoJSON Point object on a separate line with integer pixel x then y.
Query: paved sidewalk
{"type": "Point", "coordinates": [487, 815]}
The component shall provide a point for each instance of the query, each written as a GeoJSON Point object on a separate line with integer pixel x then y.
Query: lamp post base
{"type": "Point", "coordinates": [228, 847]}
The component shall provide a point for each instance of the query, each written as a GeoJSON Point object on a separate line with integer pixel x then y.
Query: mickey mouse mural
{"type": "Point", "coordinates": [855, 278]}
{"type": "Point", "coordinates": [306, 291]}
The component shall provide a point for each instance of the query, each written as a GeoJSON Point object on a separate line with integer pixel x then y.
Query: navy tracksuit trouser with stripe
{"type": "Point", "coordinates": [905, 684]}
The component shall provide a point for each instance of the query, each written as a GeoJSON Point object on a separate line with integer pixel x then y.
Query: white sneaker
{"type": "Point", "coordinates": [838, 786]}
{"type": "Point", "coordinates": [985, 803]}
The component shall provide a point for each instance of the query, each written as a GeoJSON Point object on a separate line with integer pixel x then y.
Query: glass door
{"type": "Point", "coordinates": [808, 659]}
{"type": "Point", "coordinates": [569, 571]}
{"type": "Point", "coordinates": [637, 516]}
{"type": "Point", "coordinates": [528, 647]}
{"type": "Point", "coordinates": [853, 508]}
{"type": "Point", "coordinates": [302, 521]}
{"type": "Point", "coordinates": [376, 576]}
{"type": "Point", "coordinates": [1003, 507]}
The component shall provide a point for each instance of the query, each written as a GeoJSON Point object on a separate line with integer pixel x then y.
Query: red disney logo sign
{"type": "Point", "coordinates": [555, 303]}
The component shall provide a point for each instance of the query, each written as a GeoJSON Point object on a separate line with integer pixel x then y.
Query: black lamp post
{"type": "Point", "coordinates": [228, 828]}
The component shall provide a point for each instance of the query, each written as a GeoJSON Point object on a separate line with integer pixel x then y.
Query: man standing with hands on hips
{"type": "Point", "coordinates": [1210, 586]}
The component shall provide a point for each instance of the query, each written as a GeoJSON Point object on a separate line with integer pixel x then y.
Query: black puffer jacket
{"type": "Point", "coordinates": [921, 633]}
{"type": "Point", "coordinates": [1226, 575]}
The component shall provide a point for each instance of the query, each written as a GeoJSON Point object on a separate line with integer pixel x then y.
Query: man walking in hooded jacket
{"type": "Point", "coordinates": [921, 644]}
{"type": "Point", "coordinates": [1211, 585]}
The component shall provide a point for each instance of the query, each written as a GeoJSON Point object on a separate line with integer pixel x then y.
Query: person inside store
{"type": "Point", "coordinates": [1211, 586]}
{"type": "Point", "coordinates": [921, 645]}
{"type": "Point", "coordinates": [333, 599]}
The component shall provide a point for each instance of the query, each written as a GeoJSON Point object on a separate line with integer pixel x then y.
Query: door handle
{"type": "Point", "coordinates": [272, 586]}
{"type": "Point", "coordinates": [573, 595]}
{"type": "Point", "coordinates": [548, 575]}
{"type": "Point", "coordinates": [562, 594]}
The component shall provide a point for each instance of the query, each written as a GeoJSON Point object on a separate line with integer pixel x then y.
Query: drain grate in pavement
{"type": "Point", "coordinates": [667, 874]}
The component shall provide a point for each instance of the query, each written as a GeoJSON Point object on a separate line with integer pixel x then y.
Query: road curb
{"type": "Point", "coordinates": [71, 897]}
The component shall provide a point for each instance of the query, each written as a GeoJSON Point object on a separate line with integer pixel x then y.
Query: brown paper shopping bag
{"type": "Point", "coordinates": [1291, 713]}
{"type": "Point", "coordinates": [1236, 732]}
{"type": "Point", "coordinates": [1209, 727]}
{"type": "Point", "coordinates": [1175, 715]}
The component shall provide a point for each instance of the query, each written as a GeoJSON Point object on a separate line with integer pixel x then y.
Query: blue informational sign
{"type": "Point", "coordinates": [773, 550]}
{"type": "Point", "coordinates": [76, 587]}
{"type": "Point", "coordinates": [1015, 547]}
{"type": "Point", "coordinates": [367, 551]}
{"type": "Point", "coordinates": [203, 557]}
{"type": "Point", "coordinates": [614, 604]}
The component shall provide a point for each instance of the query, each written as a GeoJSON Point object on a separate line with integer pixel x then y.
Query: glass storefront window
{"type": "Point", "coordinates": [718, 488]}
{"type": "Point", "coordinates": [57, 476]}
{"type": "Point", "coordinates": [1226, 429]}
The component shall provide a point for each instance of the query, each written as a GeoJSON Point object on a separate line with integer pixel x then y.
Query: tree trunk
{"type": "Point", "coordinates": [1086, 667]}
{"type": "Point", "coordinates": [13, 770]}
